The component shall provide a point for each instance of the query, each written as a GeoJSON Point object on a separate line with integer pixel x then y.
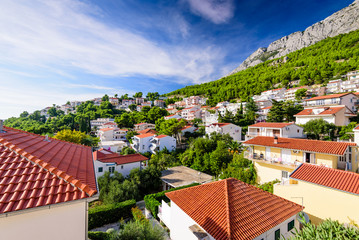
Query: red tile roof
{"type": "Point", "coordinates": [231, 209]}
{"type": "Point", "coordinates": [138, 124]}
{"type": "Point", "coordinates": [326, 111]}
{"type": "Point", "coordinates": [161, 136]}
{"type": "Point", "coordinates": [110, 123]}
{"type": "Point", "coordinates": [186, 127]}
{"type": "Point", "coordinates": [148, 130]}
{"type": "Point", "coordinates": [336, 148]}
{"type": "Point", "coordinates": [106, 129]}
{"type": "Point", "coordinates": [271, 124]}
{"type": "Point", "coordinates": [327, 96]}
{"type": "Point", "coordinates": [269, 107]}
{"type": "Point", "coordinates": [328, 177]}
{"type": "Point", "coordinates": [357, 127]}
{"type": "Point", "coordinates": [35, 172]}
{"type": "Point", "coordinates": [145, 135]}
{"type": "Point", "coordinates": [111, 157]}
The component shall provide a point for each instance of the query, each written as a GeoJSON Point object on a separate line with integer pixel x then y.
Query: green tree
{"type": "Point", "coordinates": [77, 137]}
{"type": "Point", "coordinates": [124, 120]}
{"type": "Point", "coordinates": [24, 114]}
{"type": "Point", "coordinates": [300, 94]}
{"type": "Point", "coordinates": [132, 107]}
{"type": "Point", "coordinates": [137, 95]}
{"type": "Point", "coordinates": [171, 127]}
{"type": "Point", "coordinates": [319, 128]}
{"type": "Point", "coordinates": [105, 98]}
{"type": "Point", "coordinates": [152, 96]}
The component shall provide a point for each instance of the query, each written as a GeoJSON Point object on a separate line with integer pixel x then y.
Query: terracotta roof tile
{"type": "Point", "coordinates": [236, 210]}
{"type": "Point", "coordinates": [336, 148]}
{"type": "Point", "coordinates": [145, 135]}
{"type": "Point", "coordinates": [338, 95]}
{"type": "Point", "coordinates": [107, 129]}
{"type": "Point", "coordinates": [271, 124]}
{"type": "Point", "coordinates": [33, 171]}
{"type": "Point", "coordinates": [112, 157]}
{"type": "Point", "coordinates": [221, 124]}
{"type": "Point", "coordinates": [148, 130]}
{"type": "Point", "coordinates": [328, 177]}
{"type": "Point", "coordinates": [161, 136]}
{"type": "Point", "coordinates": [326, 111]}
{"type": "Point", "coordinates": [305, 112]}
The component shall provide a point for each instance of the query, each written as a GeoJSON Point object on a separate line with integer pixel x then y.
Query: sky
{"type": "Point", "coordinates": [54, 51]}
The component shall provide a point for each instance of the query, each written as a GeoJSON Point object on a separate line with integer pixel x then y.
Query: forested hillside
{"type": "Point", "coordinates": [316, 64]}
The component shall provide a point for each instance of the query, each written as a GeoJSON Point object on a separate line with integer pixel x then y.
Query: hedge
{"type": "Point", "coordinates": [98, 236]}
{"type": "Point", "coordinates": [109, 213]}
{"type": "Point", "coordinates": [152, 201]}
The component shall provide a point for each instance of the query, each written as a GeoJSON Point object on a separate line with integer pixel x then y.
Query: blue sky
{"type": "Point", "coordinates": [54, 51]}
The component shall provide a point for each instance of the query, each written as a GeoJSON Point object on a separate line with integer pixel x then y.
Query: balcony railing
{"type": "Point", "coordinates": [269, 160]}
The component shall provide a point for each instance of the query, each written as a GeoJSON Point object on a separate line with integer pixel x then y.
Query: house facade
{"type": "Point", "coordinates": [141, 143]}
{"type": "Point", "coordinates": [99, 122]}
{"type": "Point", "coordinates": [108, 161]}
{"type": "Point", "coordinates": [269, 129]}
{"type": "Point", "coordinates": [343, 99]}
{"type": "Point", "coordinates": [50, 191]}
{"type": "Point", "coordinates": [289, 94]}
{"type": "Point", "coordinates": [274, 158]}
{"type": "Point", "coordinates": [338, 115]}
{"type": "Point", "coordinates": [161, 142]}
{"type": "Point", "coordinates": [112, 134]}
{"type": "Point", "coordinates": [225, 128]}
{"type": "Point", "coordinates": [227, 209]}
{"type": "Point", "coordinates": [191, 113]}
{"type": "Point", "coordinates": [324, 192]}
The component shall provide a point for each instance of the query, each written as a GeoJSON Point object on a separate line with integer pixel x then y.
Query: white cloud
{"type": "Point", "coordinates": [217, 11]}
{"type": "Point", "coordinates": [89, 86]}
{"type": "Point", "coordinates": [67, 34]}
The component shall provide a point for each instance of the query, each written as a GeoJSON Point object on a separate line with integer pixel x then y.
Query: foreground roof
{"type": "Point", "coordinates": [271, 124]}
{"type": "Point", "coordinates": [148, 130]}
{"type": "Point", "coordinates": [107, 156]}
{"type": "Point", "coordinates": [236, 210]}
{"type": "Point", "coordinates": [336, 148]}
{"type": "Point", "coordinates": [326, 111]}
{"type": "Point", "coordinates": [36, 172]}
{"type": "Point", "coordinates": [328, 177]}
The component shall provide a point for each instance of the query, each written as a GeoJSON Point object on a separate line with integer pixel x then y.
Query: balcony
{"type": "Point", "coordinates": [154, 147]}
{"type": "Point", "coordinates": [272, 161]}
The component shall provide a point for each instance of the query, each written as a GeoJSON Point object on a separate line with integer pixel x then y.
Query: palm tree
{"type": "Point", "coordinates": [235, 146]}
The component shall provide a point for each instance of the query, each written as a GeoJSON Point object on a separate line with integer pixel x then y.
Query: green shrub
{"type": "Point", "coordinates": [98, 235]}
{"type": "Point", "coordinates": [109, 213]}
{"type": "Point", "coordinates": [152, 201]}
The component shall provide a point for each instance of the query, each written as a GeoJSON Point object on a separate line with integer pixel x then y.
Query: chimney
{"type": "Point", "coordinates": [275, 140]}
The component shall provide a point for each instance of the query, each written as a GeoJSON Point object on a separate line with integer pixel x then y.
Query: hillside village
{"type": "Point", "coordinates": [285, 166]}
{"type": "Point", "coordinates": [268, 152]}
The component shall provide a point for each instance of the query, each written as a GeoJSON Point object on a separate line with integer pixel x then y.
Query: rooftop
{"type": "Point", "coordinates": [338, 95]}
{"type": "Point", "coordinates": [36, 172]}
{"type": "Point", "coordinates": [271, 124]}
{"type": "Point", "coordinates": [328, 147]}
{"type": "Point", "coordinates": [181, 176]}
{"type": "Point", "coordinates": [107, 156]}
{"type": "Point", "coordinates": [326, 111]}
{"type": "Point", "coordinates": [328, 177]}
{"type": "Point", "coordinates": [145, 135]}
{"type": "Point", "coordinates": [148, 130]}
{"type": "Point", "coordinates": [231, 209]}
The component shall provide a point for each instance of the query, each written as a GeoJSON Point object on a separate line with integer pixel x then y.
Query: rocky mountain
{"type": "Point", "coordinates": [343, 21]}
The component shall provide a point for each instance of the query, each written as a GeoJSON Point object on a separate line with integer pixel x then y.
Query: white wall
{"type": "Point", "coordinates": [269, 235]}
{"type": "Point", "coordinates": [292, 131]}
{"type": "Point", "coordinates": [124, 169]}
{"type": "Point", "coordinates": [304, 120]}
{"type": "Point", "coordinates": [61, 221]}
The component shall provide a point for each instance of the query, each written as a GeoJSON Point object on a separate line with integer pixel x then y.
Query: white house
{"type": "Point", "coordinates": [228, 209]}
{"type": "Point", "coordinates": [159, 103]}
{"type": "Point", "coordinates": [338, 115]}
{"type": "Point", "coordinates": [223, 128]}
{"type": "Point", "coordinates": [191, 113]}
{"type": "Point", "coordinates": [276, 94]}
{"type": "Point", "coordinates": [141, 143]}
{"type": "Point", "coordinates": [194, 100]}
{"type": "Point", "coordinates": [127, 102]}
{"type": "Point", "coordinates": [289, 94]}
{"type": "Point", "coordinates": [347, 99]}
{"type": "Point", "coordinates": [263, 113]}
{"type": "Point", "coordinates": [114, 146]}
{"type": "Point", "coordinates": [99, 122]}
{"type": "Point", "coordinates": [188, 128]}
{"type": "Point", "coordinates": [114, 101]}
{"type": "Point", "coordinates": [161, 142]}
{"type": "Point", "coordinates": [112, 134]}
{"type": "Point", "coordinates": [45, 187]}
{"type": "Point", "coordinates": [271, 129]}
{"type": "Point", "coordinates": [334, 86]}
{"type": "Point", "coordinates": [108, 161]}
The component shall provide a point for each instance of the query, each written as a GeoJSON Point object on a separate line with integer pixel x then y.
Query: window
{"type": "Point", "coordinates": [284, 174]}
{"type": "Point", "coordinates": [100, 169]}
{"type": "Point", "coordinates": [111, 169]}
{"type": "Point", "coordinates": [290, 225]}
{"type": "Point", "coordinates": [121, 166]}
{"type": "Point", "coordinates": [277, 234]}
